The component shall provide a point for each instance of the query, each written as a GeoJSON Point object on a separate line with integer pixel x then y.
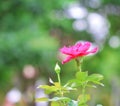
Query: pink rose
{"type": "Point", "coordinates": [80, 49]}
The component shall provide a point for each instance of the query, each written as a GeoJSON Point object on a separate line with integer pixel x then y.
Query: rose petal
{"type": "Point", "coordinates": [68, 58]}
{"type": "Point", "coordinates": [80, 49]}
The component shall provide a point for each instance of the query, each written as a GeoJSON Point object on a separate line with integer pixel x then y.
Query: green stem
{"type": "Point", "coordinates": [58, 75]}
{"type": "Point", "coordinates": [78, 64]}
{"type": "Point", "coordinates": [61, 93]}
{"type": "Point", "coordinates": [83, 93]}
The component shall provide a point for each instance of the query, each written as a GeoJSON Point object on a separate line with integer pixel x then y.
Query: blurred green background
{"type": "Point", "coordinates": [31, 33]}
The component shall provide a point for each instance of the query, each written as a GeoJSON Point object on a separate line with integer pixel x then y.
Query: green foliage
{"type": "Point", "coordinates": [55, 104]}
{"type": "Point", "coordinates": [95, 78]}
{"type": "Point", "coordinates": [50, 89]}
{"type": "Point", "coordinates": [56, 88]}
{"type": "Point", "coordinates": [42, 99]}
{"type": "Point", "coordinates": [82, 79]}
{"type": "Point", "coordinates": [73, 103]}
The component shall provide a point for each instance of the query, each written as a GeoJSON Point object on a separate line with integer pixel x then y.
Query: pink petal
{"type": "Point", "coordinates": [79, 49]}
{"type": "Point", "coordinates": [85, 47]}
{"type": "Point", "coordinates": [65, 50]}
{"type": "Point", "coordinates": [77, 45]}
{"type": "Point", "coordinates": [68, 58]}
{"type": "Point", "coordinates": [92, 51]}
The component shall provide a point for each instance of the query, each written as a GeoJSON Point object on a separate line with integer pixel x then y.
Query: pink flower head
{"type": "Point", "coordinates": [80, 49]}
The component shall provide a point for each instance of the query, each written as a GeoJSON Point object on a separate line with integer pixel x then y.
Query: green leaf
{"type": "Point", "coordinates": [55, 104]}
{"type": "Point", "coordinates": [59, 101]}
{"type": "Point", "coordinates": [82, 105]}
{"type": "Point", "coordinates": [41, 99]}
{"type": "Point", "coordinates": [81, 75]}
{"type": "Point", "coordinates": [81, 78]}
{"type": "Point", "coordinates": [56, 88]}
{"type": "Point", "coordinates": [57, 85]}
{"type": "Point", "coordinates": [99, 83]}
{"type": "Point", "coordinates": [49, 89]}
{"type": "Point", "coordinates": [96, 78]}
{"type": "Point", "coordinates": [75, 83]}
{"type": "Point", "coordinates": [73, 103]}
{"type": "Point", "coordinates": [90, 85]}
{"type": "Point", "coordinates": [64, 99]}
{"type": "Point", "coordinates": [69, 88]}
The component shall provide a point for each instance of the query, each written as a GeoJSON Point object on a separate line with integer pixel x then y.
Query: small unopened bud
{"type": "Point", "coordinates": [57, 68]}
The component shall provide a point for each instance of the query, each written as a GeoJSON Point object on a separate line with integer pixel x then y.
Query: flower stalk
{"type": "Point", "coordinates": [78, 62]}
